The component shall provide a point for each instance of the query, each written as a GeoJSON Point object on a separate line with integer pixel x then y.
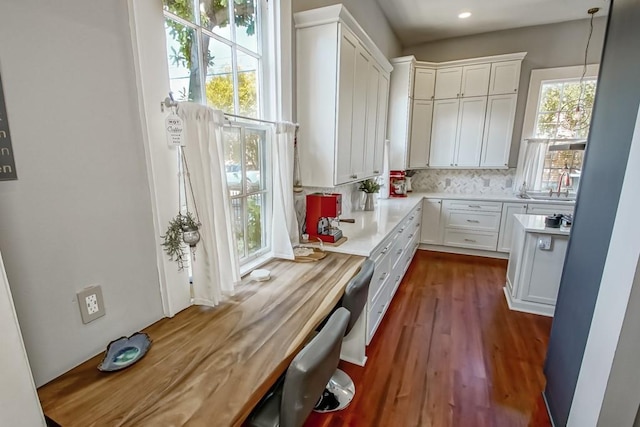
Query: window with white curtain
{"type": "Point", "coordinates": [558, 115]}
{"type": "Point", "coordinates": [215, 55]}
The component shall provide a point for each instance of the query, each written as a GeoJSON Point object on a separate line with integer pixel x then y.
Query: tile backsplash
{"type": "Point", "coordinates": [472, 181]}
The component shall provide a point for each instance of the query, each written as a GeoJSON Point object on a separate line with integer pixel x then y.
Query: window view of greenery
{"type": "Point", "coordinates": [564, 112]}
{"type": "Point", "coordinates": [214, 55]}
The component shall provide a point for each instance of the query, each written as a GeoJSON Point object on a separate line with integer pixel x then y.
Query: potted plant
{"type": "Point", "coordinates": [183, 229]}
{"type": "Point", "coordinates": [370, 187]}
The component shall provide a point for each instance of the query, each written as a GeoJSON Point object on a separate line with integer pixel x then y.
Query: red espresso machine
{"type": "Point", "coordinates": [323, 210]}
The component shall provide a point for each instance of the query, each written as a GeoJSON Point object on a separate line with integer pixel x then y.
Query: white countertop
{"type": "Point", "coordinates": [372, 227]}
{"type": "Point", "coordinates": [535, 224]}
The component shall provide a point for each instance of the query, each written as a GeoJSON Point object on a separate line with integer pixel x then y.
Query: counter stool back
{"type": "Point", "coordinates": [292, 401]}
{"type": "Point", "coordinates": [340, 389]}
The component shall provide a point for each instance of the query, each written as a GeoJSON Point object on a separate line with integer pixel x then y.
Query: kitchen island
{"type": "Point", "coordinates": [535, 265]}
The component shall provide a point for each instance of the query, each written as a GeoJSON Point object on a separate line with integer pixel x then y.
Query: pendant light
{"type": "Point", "coordinates": [579, 108]}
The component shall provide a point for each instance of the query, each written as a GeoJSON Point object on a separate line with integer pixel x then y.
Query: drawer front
{"type": "Point", "coordinates": [548, 209]}
{"type": "Point", "coordinates": [383, 248]}
{"type": "Point", "coordinates": [484, 221]}
{"type": "Point", "coordinates": [472, 240]}
{"type": "Point", "coordinates": [473, 205]}
{"type": "Point", "coordinates": [376, 311]}
{"type": "Point", "coordinates": [380, 275]}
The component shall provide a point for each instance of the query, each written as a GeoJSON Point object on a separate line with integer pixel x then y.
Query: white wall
{"type": "Point", "coordinates": [80, 212]}
{"type": "Point", "coordinates": [19, 405]}
{"type": "Point", "coordinates": [602, 398]}
{"type": "Point", "coordinates": [547, 46]}
{"type": "Point", "coordinates": [369, 15]}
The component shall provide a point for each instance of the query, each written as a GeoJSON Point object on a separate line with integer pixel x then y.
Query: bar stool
{"type": "Point", "coordinates": [293, 399]}
{"type": "Point", "coordinates": [340, 389]}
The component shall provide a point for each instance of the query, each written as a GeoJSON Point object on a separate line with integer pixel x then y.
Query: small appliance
{"type": "Point", "coordinates": [323, 217]}
{"type": "Point", "coordinates": [397, 184]}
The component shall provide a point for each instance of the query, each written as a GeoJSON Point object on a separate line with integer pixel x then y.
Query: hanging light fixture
{"type": "Point", "coordinates": [579, 108]}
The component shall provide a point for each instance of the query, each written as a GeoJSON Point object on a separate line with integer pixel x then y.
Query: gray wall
{"type": "Point", "coordinates": [369, 16]}
{"type": "Point", "coordinates": [80, 213]}
{"type": "Point", "coordinates": [612, 127]}
{"type": "Point", "coordinates": [547, 46]}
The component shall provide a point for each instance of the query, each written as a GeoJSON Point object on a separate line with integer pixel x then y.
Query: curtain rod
{"type": "Point", "coordinates": [170, 102]}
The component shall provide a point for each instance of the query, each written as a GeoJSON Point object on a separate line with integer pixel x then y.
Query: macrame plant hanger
{"type": "Point", "coordinates": [190, 233]}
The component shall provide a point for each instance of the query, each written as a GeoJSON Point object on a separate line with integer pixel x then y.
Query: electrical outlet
{"type": "Point", "coordinates": [447, 182]}
{"type": "Point", "coordinates": [486, 182]}
{"type": "Point", "coordinates": [91, 303]}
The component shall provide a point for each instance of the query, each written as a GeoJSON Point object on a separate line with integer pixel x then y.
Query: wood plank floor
{"type": "Point", "coordinates": [450, 353]}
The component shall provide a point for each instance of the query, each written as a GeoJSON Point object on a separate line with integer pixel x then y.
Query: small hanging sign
{"type": "Point", "coordinates": [175, 130]}
{"type": "Point", "coordinates": [7, 162]}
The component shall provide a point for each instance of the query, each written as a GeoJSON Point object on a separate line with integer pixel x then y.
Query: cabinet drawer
{"type": "Point", "coordinates": [473, 205]}
{"type": "Point", "coordinates": [471, 239]}
{"type": "Point", "coordinates": [549, 208]}
{"type": "Point", "coordinates": [383, 248]}
{"type": "Point", "coordinates": [380, 275]}
{"type": "Point", "coordinates": [483, 221]}
{"type": "Point", "coordinates": [376, 311]}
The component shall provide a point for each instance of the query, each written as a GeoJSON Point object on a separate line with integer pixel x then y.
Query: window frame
{"type": "Point", "coordinates": [538, 77]}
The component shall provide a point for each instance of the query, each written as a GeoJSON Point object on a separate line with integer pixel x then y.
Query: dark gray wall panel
{"type": "Point", "coordinates": [615, 111]}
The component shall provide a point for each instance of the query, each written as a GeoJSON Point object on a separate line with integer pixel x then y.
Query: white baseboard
{"type": "Point", "coordinates": [463, 251]}
{"type": "Point", "coordinates": [528, 307]}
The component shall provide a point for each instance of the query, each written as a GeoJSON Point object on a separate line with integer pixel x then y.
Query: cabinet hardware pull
{"type": "Point", "coordinates": [451, 164]}
{"type": "Point", "coordinates": [399, 252]}
{"type": "Point", "coordinates": [411, 218]}
{"type": "Point", "coordinates": [470, 240]}
{"type": "Point", "coordinates": [462, 94]}
{"type": "Point", "coordinates": [410, 235]}
{"type": "Point", "coordinates": [401, 230]}
{"type": "Point", "coordinates": [475, 221]}
{"type": "Point", "coordinates": [475, 206]}
{"type": "Point", "coordinates": [418, 225]}
{"type": "Point", "coordinates": [379, 171]}
{"type": "Point", "coordinates": [383, 276]}
{"type": "Point", "coordinates": [515, 90]}
{"type": "Point", "coordinates": [419, 209]}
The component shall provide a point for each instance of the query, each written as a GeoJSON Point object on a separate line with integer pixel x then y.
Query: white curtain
{"type": "Point", "coordinates": [216, 267]}
{"type": "Point", "coordinates": [530, 172]}
{"type": "Point", "coordinates": [284, 224]}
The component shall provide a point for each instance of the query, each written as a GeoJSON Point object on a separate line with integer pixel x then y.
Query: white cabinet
{"type": "Point", "coordinates": [498, 129]}
{"type": "Point", "coordinates": [505, 77]}
{"type": "Point", "coordinates": [431, 229]}
{"type": "Point", "coordinates": [443, 132]}
{"type": "Point", "coordinates": [448, 83]}
{"type": "Point", "coordinates": [456, 138]}
{"type": "Point", "coordinates": [506, 224]}
{"type": "Point", "coordinates": [470, 224]}
{"type": "Point", "coordinates": [475, 80]}
{"type": "Point", "coordinates": [424, 80]}
{"type": "Point", "coordinates": [420, 134]}
{"type": "Point", "coordinates": [468, 145]}
{"type": "Point", "coordinates": [342, 92]}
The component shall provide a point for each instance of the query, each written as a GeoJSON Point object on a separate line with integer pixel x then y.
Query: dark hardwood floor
{"type": "Point", "coordinates": [450, 353]}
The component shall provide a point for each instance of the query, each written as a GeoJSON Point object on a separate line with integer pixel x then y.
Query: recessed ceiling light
{"type": "Point", "coordinates": [464, 15]}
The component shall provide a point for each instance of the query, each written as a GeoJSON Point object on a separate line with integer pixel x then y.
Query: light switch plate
{"type": "Point", "coordinates": [91, 303]}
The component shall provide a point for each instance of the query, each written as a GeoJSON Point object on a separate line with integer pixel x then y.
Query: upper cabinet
{"type": "Point", "coordinates": [342, 98]}
{"type": "Point", "coordinates": [471, 104]}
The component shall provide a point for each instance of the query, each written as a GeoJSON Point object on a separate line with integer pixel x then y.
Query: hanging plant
{"type": "Point", "coordinates": [183, 228]}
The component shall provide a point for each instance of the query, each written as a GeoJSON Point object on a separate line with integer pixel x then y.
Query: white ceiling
{"type": "Point", "coordinates": [419, 21]}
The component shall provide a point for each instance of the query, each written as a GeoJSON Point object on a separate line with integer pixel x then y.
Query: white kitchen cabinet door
{"type": "Point", "coordinates": [424, 83]}
{"type": "Point", "coordinates": [543, 269]}
{"type": "Point", "coordinates": [498, 130]}
{"type": "Point", "coordinates": [358, 133]}
{"type": "Point", "coordinates": [470, 127]}
{"type": "Point", "coordinates": [420, 141]}
{"type": "Point", "coordinates": [381, 122]}
{"type": "Point", "coordinates": [346, 84]}
{"type": "Point", "coordinates": [475, 80]}
{"type": "Point", "coordinates": [431, 227]}
{"type": "Point", "coordinates": [443, 133]}
{"type": "Point", "coordinates": [448, 83]}
{"type": "Point", "coordinates": [505, 77]}
{"type": "Point", "coordinates": [506, 224]}
{"type": "Point", "coordinates": [373, 87]}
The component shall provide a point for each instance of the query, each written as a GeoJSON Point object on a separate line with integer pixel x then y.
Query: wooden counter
{"type": "Point", "coordinates": [207, 367]}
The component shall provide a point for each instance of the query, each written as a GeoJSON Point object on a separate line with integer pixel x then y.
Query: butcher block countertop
{"type": "Point", "coordinates": [207, 366]}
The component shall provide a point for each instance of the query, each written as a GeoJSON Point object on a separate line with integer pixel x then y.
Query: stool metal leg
{"type": "Point", "coordinates": [338, 394]}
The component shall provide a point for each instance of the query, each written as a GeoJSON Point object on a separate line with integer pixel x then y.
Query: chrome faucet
{"type": "Point", "coordinates": [567, 180]}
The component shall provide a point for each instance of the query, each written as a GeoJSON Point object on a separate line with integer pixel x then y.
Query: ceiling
{"type": "Point", "coordinates": [419, 21]}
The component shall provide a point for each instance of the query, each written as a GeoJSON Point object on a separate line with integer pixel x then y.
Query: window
{"type": "Point", "coordinates": [214, 51]}
{"type": "Point", "coordinates": [559, 110]}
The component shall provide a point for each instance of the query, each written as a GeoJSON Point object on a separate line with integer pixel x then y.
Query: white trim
{"type": "Point", "coordinates": [463, 251]}
{"type": "Point", "coordinates": [528, 307]}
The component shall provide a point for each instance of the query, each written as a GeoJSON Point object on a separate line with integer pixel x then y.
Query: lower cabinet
{"type": "Point", "coordinates": [506, 224]}
{"type": "Point", "coordinates": [431, 230]}
{"type": "Point", "coordinates": [392, 259]}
